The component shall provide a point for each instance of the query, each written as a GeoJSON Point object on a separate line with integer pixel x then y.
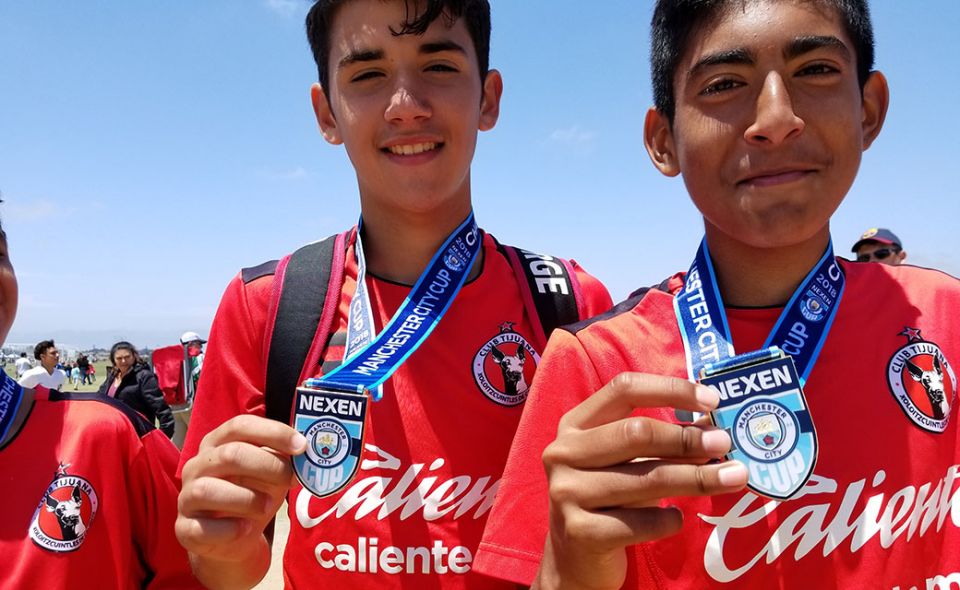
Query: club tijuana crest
{"type": "Point", "coordinates": [504, 367]}
{"type": "Point", "coordinates": [333, 424]}
{"type": "Point", "coordinates": [922, 381]}
{"type": "Point", "coordinates": [65, 513]}
{"type": "Point", "coordinates": [763, 408]}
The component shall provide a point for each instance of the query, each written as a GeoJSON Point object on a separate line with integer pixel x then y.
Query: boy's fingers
{"type": "Point", "coordinates": [629, 391]}
{"type": "Point", "coordinates": [204, 536]}
{"type": "Point", "coordinates": [635, 437]}
{"type": "Point", "coordinates": [644, 483]}
{"type": "Point", "coordinates": [240, 460]}
{"type": "Point", "coordinates": [212, 497]}
{"type": "Point", "coordinates": [258, 431]}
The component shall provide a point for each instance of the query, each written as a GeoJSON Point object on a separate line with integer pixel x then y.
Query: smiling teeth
{"type": "Point", "coordinates": [409, 150]}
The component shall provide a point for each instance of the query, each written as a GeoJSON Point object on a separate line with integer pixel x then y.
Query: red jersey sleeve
{"type": "Point", "coordinates": [153, 512]}
{"type": "Point", "coordinates": [516, 530]}
{"type": "Point", "coordinates": [232, 380]}
{"type": "Point", "coordinates": [594, 298]}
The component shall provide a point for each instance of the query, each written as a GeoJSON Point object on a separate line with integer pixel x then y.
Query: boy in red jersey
{"type": "Point", "coordinates": [88, 487]}
{"type": "Point", "coordinates": [765, 107]}
{"type": "Point", "coordinates": [405, 87]}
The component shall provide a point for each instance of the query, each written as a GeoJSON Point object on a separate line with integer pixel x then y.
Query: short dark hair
{"type": "Point", "coordinates": [42, 347]}
{"type": "Point", "coordinates": [675, 20]}
{"type": "Point", "coordinates": [476, 15]}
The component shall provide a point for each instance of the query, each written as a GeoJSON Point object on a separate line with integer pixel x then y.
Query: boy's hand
{"type": "Point", "coordinates": [608, 471]}
{"type": "Point", "coordinates": [231, 490]}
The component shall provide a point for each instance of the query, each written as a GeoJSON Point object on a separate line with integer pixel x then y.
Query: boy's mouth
{"type": "Point", "coordinates": [412, 149]}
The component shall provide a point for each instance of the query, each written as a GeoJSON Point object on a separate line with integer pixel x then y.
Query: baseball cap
{"type": "Point", "coordinates": [878, 234]}
{"type": "Point", "coordinates": [189, 337]}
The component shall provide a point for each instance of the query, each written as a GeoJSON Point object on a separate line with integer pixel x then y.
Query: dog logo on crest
{"type": "Point", "coordinates": [504, 367]}
{"type": "Point", "coordinates": [922, 381]}
{"type": "Point", "coordinates": [65, 513]}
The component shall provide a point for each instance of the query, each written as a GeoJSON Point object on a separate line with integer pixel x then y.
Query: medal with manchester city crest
{"type": "Point", "coordinates": [331, 411]}
{"type": "Point", "coordinates": [763, 408]}
{"type": "Point", "coordinates": [762, 403]}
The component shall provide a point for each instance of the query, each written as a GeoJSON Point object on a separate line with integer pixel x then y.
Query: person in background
{"type": "Point", "coordinates": [23, 364]}
{"type": "Point", "coordinates": [191, 363]}
{"type": "Point", "coordinates": [47, 374]}
{"type": "Point", "coordinates": [881, 245]}
{"type": "Point", "coordinates": [133, 383]}
{"type": "Point", "coordinates": [75, 376]}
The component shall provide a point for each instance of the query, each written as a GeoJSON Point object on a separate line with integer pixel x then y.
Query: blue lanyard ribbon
{"type": "Point", "coordinates": [11, 396]}
{"type": "Point", "coordinates": [800, 331]}
{"type": "Point", "coordinates": [370, 360]}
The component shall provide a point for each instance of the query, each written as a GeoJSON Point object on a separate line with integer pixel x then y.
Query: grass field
{"type": "Point", "coordinates": [99, 366]}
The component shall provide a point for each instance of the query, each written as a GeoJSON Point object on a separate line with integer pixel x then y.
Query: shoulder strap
{"type": "Point", "coordinates": [305, 295]}
{"type": "Point", "coordinates": [549, 287]}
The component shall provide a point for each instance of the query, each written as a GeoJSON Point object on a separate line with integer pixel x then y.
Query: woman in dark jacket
{"type": "Point", "coordinates": [133, 383]}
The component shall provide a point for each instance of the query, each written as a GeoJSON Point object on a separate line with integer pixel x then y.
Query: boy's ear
{"type": "Point", "coordinates": [658, 139]}
{"type": "Point", "coordinates": [490, 100]}
{"type": "Point", "coordinates": [325, 118]}
{"type": "Point", "coordinates": [876, 99]}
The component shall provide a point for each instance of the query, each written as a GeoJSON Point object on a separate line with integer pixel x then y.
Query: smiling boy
{"type": "Point", "coordinates": [765, 107]}
{"type": "Point", "coordinates": [402, 486]}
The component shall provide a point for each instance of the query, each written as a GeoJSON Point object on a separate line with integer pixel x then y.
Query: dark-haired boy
{"type": "Point", "coordinates": [47, 373]}
{"type": "Point", "coordinates": [404, 87]}
{"type": "Point", "coordinates": [765, 107]}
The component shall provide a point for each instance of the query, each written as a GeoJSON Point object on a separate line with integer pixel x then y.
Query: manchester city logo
{"type": "Point", "coordinates": [328, 442]}
{"type": "Point", "coordinates": [65, 513]}
{"type": "Point", "coordinates": [922, 381]}
{"type": "Point", "coordinates": [504, 366]}
{"type": "Point", "coordinates": [453, 260]}
{"type": "Point", "coordinates": [765, 430]}
{"type": "Point", "coordinates": [813, 307]}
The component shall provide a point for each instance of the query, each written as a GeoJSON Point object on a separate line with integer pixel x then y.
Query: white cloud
{"type": "Point", "coordinates": [285, 7]}
{"type": "Point", "coordinates": [573, 136]}
{"type": "Point", "coordinates": [289, 174]}
{"type": "Point", "coordinates": [36, 210]}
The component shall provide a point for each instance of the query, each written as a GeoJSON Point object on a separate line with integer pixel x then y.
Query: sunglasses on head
{"type": "Point", "coordinates": [878, 254]}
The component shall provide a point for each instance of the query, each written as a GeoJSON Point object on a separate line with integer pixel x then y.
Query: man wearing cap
{"type": "Point", "coordinates": [192, 364]}
{"type": "Point", "coordinates": [881, 245]}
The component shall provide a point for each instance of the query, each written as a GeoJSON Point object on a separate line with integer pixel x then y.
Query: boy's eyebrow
{"type": "Point", "coordinates": [802, 45]}
{"type": "Point", "coordinates": [739, 56]}
{"type": "Point", "coordinates": [796, 48]}
{"type": "Point", "coordinates": [361, 55]}
{"type": "Point", "coordinates": [441, 46]}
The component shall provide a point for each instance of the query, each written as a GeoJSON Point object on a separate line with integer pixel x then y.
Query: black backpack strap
{"type": "Point", "coordinates": [549, 287]}
{"type": "Point", "coordinates": [306, 288]}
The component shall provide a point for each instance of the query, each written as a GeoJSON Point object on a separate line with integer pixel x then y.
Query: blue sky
{"type": "Point", "coordinates": [148, 150]}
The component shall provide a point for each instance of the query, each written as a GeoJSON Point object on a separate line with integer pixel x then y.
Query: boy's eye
{"type": "Point", "coordinates": [817, 69]}
{"type": "Point", "coordinates": [720, 86]}
{"type": "Point", "coordinates": [441, 68]}
{"type": "Point", "coordinates": [367, 75]}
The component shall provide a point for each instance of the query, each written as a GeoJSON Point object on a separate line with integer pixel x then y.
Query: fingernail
{"type": "Point", "coordinates": [732, 475]}
{"type": "Point", "coordinates": [298, 441]}
{"type": "Point", "coordinates": [707, 396]}
{"type": "Point", "coordinates": [716, 442]}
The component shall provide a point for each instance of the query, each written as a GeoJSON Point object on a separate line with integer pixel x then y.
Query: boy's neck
{"type": "Point", "coordinates": [762, 277]}
{"type": "Point", "coordinates": [399, 247]}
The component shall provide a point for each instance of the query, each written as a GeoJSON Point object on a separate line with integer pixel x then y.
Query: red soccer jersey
{"type": "Point", "coordinates": [89, 496]}
{"type": "Point", "coordinates": [434, 447]}
{"type": "Point", "coordinates": [881, 510]}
